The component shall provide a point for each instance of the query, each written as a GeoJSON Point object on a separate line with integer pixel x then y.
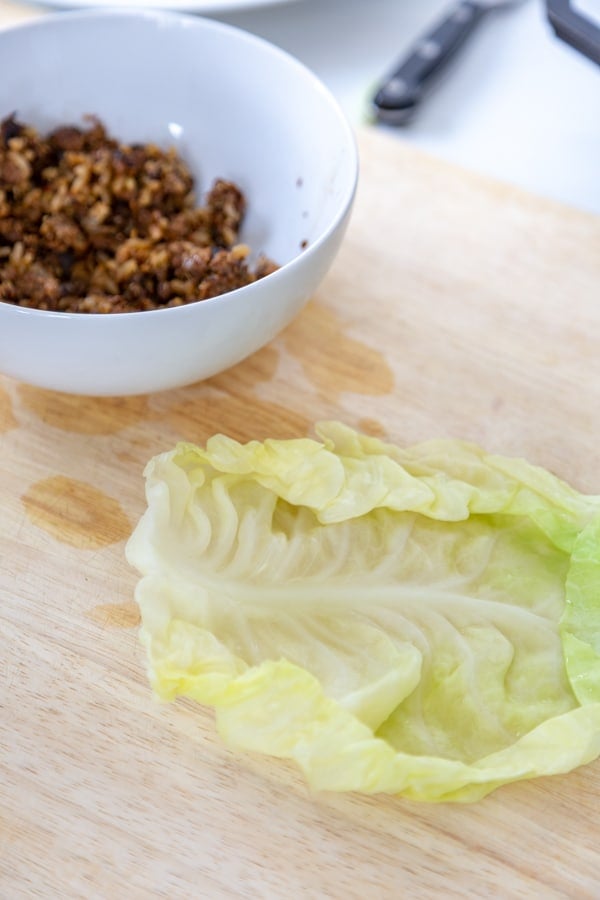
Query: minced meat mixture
{"type": "Point", "coordinates": [90, 225]}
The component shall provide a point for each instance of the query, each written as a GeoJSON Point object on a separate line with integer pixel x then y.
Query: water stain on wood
{"type": "Point", "coordinates": [241, 417]}
{"type": "Point", "coordinates": [331, 360]}
{"type": "Point", "coordinates": [372, 427]}
{"type": "Point", "coordinates": [259, 367]}
{"type": "Point", "coordinates": [115, 615]}
{"type": "Point", "coordinates": [83, 415]}
{"type": "Point", "coordinates": [76, 513]}
{"type": "Point", "coordinates": [7, 416]}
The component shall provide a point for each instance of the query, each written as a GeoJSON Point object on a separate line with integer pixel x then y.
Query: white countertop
{"type": "Point", "coordinates": [517, 103]}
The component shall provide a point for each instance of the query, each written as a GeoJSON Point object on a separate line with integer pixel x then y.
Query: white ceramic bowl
{"type": "Point", "coordinates": [236, 107]}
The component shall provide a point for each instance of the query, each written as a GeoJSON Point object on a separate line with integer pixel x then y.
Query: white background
{"type": "Point", "coordinates": [517, 103]}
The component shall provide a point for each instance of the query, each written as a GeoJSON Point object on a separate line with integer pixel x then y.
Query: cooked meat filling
{"type": "Point", "coordinates": [90, 225]}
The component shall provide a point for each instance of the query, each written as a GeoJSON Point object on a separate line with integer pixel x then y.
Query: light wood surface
{"type": "Point", "coordinates": [457, 307]}
{"type": "Point", "coordinates": [13, 12]}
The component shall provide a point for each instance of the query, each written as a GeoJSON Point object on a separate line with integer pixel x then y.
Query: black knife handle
{"type": "Point", "coordinates": [577, 30]}
{"type": "Point", "coordinates": [398, 97]}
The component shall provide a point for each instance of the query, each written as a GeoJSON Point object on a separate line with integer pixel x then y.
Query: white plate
{"type": "Point", "coordinates": [203, 6]}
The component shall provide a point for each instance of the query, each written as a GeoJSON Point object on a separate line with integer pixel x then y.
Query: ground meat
{"type": "Point", "coordinates": [91, 225]}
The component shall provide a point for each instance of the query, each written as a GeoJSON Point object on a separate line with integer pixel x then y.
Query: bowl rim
{"type": "Point", "coordinates": [172, 18]}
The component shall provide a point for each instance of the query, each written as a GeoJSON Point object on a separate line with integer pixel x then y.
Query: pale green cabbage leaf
{"type": "Point", "coordinates": [420, 621]}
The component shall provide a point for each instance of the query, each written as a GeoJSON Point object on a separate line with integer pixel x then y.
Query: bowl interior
{"type": "Point", "coordinates": [234, 106]}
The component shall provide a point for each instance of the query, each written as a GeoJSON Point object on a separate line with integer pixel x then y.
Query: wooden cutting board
{"type": "Point", "coordinates": [457, 307]}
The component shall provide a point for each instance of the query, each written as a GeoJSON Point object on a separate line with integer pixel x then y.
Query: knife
{"type": "Point", "coordinates": [397, 98]}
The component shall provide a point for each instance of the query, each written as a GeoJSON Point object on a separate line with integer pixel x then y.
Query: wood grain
{"type": "Point", "coordinates": [457, 307]}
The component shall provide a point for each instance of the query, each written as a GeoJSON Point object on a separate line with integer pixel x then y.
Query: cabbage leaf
{"type": "Point", "coordinates": [423, 621]}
